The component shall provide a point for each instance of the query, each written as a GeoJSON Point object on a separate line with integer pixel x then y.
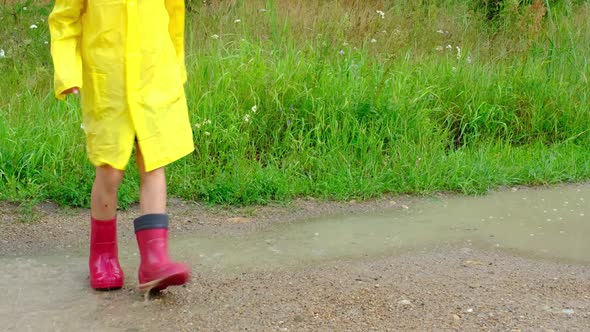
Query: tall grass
{"type": "Point", "coordinates": [332, 99]}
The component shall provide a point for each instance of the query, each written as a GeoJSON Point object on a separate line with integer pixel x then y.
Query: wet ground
{"type": "Point", "coordinates": [513, 260]}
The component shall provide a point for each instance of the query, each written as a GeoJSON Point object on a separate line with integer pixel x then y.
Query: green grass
{"type": "Point", "coordinates": [348, 104]}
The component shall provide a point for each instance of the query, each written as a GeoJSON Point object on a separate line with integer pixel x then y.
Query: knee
{"type": "Point", "coordinates": [109, 177]}
{"type": "Point", "coordinates": [152, 175]}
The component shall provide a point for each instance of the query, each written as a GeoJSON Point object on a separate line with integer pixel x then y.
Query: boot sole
{"type": "Point", "coordinates": [176, 279]}
{"type": "Point", "coordinates": [107, 287]}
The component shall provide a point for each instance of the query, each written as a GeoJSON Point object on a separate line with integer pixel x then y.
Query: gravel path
{"type": "Point", "coordinates": [446, 289]}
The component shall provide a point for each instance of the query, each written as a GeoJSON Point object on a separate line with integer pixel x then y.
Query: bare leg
{"type": "Point", "coordinates": [156, 270]}
{"type": "Point", "coordinates": [152, 188]}
{"type": "Point", "coordinates": [103, 200]}
{"type": "Point", "coordinates": [104, 268]}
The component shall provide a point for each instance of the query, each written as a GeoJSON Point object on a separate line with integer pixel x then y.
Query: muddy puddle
{"type": "Point", "coordinates": [50, 292]}
{"type": "Point", "coordinates": [552, 224]}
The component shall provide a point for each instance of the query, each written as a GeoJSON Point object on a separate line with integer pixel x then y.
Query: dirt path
{"type": "Point", "coordinates": [50, 229]}
{"type": "Point", "coordinates": [447, 287]}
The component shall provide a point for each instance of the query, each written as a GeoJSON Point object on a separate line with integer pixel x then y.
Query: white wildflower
{"type": "Point", "coordinates": [24, 8]}
{"type": "Point", "coordinates": [263, 10]}
{"type": "Point", "coordinates": [254, 109]}
{"type": "Point", "coordinates": [373, 41]}
{"type": "Point", "coordinates": [247, 118]}
{"type": "Point", "coordinates": [439, 48]}
{"type": "Point", "coordinates": [207, 133]}
{"type": "Point", "coordinates": [33, 26]}
{"type": "Point", "coordinates": [440, 31]}
{"type": "Point", "coordinates": [449, 47]}
{"type": "Point", "coordinates": [458, 52]}
{"type": "Point", "coordinates": [341, 52]}
{"type": "Point", "coordinates": [2, 53]}
{"type": "Point", "coordinates": [237, 21]}
{"type": "Point", "coordinates": [215, 36]}
{"type": "Point", "coordinates": [381, 13]}
{"type": "Point", "coordinates": [202, 124]}
{"type": "Point", "coordinates": [469, 59]}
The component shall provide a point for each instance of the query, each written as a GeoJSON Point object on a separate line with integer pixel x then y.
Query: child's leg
{"type": "Point", "coordinates": [152, 190]}
{"type": "Point", "coordinates": [103, 200]}
{"type": "Point", "coordinates": [103, 263]}
{"type": "Point", "coordinates": [156, 270]}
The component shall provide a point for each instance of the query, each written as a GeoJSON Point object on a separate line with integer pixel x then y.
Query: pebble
{"type": "Point", "coordinates": [404, 302]}
{"type": "Point", "coordinates": [471, 263]}
{"type": "Point", "coordinates": [240, 220]}
{"type": "Point", "coordinates": [568, 311]}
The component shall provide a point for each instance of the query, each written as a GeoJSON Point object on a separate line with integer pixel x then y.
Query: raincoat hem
{"type": "Point", "coordinates": [168, 161]}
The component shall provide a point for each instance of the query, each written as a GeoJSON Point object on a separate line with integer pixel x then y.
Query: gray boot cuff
{"type": "Point", "coordinates": [150, 221]}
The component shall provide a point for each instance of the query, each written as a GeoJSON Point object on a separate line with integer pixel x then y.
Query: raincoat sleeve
{"type": "Point", "coordinates": [66, 28]}
{"type": "Point", "coordinates": [176, 29]}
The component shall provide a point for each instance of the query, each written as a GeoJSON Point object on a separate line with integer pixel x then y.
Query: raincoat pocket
{"type": "Point", "coordinates": [165, 86]}
{"type": "Point", "coordinates": [94, 97]}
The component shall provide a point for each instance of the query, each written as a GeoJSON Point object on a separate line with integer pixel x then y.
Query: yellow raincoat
{"type": "Point", "coordinates": [127, 58]}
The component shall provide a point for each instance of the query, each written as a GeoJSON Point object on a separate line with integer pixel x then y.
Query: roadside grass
{"type": "Point", "coordinates": [330, 99]}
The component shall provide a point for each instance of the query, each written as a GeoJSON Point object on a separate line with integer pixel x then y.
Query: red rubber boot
{"type": "Point", "coordinates": [156, 271]}
{"type": "Point", "coordinates": [103, 263]}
